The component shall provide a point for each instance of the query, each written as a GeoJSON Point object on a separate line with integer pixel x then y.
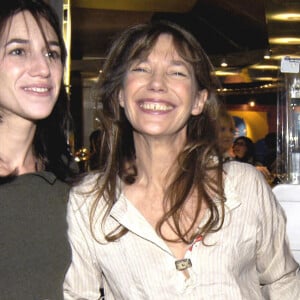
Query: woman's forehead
{"type": "Point", "coordinates": [162, 46]}
{"type": "Point", "coordinates": [23, 24]}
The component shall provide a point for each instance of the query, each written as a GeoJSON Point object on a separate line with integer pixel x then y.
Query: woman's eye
{"type": "Point", "coordinates": [17, 52]}
{"type": "Point", "coordinates": [139, 69]}
{"type": "Point", "coordinates": [178, 74]}
{"type": "Point", "coordinates": [53, 54]}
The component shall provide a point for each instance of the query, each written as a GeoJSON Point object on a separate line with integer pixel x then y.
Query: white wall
{"type": "Point", "coordinates": [288, 196]}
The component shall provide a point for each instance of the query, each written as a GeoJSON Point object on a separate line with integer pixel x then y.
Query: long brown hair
{"type": "Point", "coordinates": [199, 163]}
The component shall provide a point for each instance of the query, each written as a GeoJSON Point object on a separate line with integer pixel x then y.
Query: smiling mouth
{"type": "Point", "coordinates": [37, 89]}
{"type": "Point", "coordinates": [155, 106]}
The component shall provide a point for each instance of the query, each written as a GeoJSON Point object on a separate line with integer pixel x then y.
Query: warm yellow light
{"type": "Point", "coordinates": [284, 40]}
{"type": "Point", "coordinates": [265, 78]}
{"type": "Point", "coordinates": [225, 73]}
{"type": "Point", "coordinates": [251, 103]}
{"type": "Point", "coordinates": [267, 54]}
{"type": "Point", "coordinates": [280, 57]}
{"type": "Point", "coordinates": [224, 64]}
{"type": "Point", "coordinates": [264, 67]}
{"type": "Point", "coordinates": [290, 17]}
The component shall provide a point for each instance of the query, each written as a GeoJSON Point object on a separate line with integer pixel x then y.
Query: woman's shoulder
{"type": "Point", "coordinates": [85, 202]}
{"type": "Point", "coordinates": [244, 181]}
{"type": "Point", "coordinates": [240, 169]}
{"type": "Point", "coordinates": [86, 183]}
{"type": "Point", "coordinates": [85, 189]}
{"type": "Point", "coordinates": [241, 176]}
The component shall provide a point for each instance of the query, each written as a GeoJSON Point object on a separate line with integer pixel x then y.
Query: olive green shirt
{"type": "Point", "coordinates": [34, 250]}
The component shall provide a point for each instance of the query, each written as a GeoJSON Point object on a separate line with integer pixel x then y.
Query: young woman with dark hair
{"type": "Point", "coordinates": [244, 150]}
{"type": "Point", "coordinates": [35, 161]}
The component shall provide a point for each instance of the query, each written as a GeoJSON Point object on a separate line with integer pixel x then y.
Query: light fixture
{"type": "Point", "coordinates": [224, 63]}
{"type": "Point", "coordinates": [285, 40]}
{"type": "Point", "coordinates": [264, 67]}
{"type": "Point", "coordinates": [251, 103]}
{"type": "Point", "coordinates": [281, 56]}
{"type": "Point", "coordinates": [266, 78]}
{"type": "Point", "coordinates": [225, 73]}
{"type": "Point", "coordinates": [288, 16]}
{"type": "Point", "coordinates": [268, 54]}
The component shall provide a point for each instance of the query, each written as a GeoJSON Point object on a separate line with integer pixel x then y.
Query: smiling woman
{"type": "Point", "coordinates": [160, 94]}
{"type": "Point", "coordinates": [30, 90]}
{"type": "Point", "coordinates": [35, 162]}
{"type": "Point", "coordinates": [164, 218]}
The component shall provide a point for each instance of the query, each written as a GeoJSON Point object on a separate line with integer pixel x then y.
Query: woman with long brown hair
{"type": "Point", "coordinates": [163, 218]}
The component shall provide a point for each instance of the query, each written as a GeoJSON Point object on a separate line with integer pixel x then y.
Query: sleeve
{"type": "Point", "coordinates": [83, 278]}
{"type": "Point", "coordinates": [278, 271]}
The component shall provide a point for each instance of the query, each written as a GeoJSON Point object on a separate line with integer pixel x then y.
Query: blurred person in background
{"type": "Point", "coordinates": [244, 151]}
{"type": "Point", "coordinates": [226, 134]}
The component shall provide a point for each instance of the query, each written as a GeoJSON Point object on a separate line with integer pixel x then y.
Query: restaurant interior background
{"type": "Point", "coordinates": [245, 39]}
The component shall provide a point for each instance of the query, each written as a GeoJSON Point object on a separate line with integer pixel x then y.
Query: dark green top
{"type": "Point", "coordinates": [34, 250]}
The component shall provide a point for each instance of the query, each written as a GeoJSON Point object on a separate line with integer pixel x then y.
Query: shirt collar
{"type": "Point", "coordinates": [46, 175]}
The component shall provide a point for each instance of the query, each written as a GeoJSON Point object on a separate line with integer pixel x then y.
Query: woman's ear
{"type": "Point", "coordinates": [121, 98]}
{"type": "Point", "coordinates": [199, 102]}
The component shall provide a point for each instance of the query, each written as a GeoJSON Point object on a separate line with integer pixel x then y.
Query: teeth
{"type": "Point", "coordinates": [156, 106]}
{"type": "Point", "coordinates": [37, 89]}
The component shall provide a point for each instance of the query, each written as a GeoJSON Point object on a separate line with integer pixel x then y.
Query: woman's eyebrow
{"type": "Point", "coordinates": [178, 62]}
{"type": "Point", "coordinates": [16, 41]}
{"type": "Point", "coordinates": [24, 41]}
{"type": "Point", "coordinates": [181, 63]}
{"type": "Point", "coordinates": [54, 43]}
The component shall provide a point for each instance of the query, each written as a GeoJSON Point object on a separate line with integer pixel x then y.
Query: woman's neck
{"type": "Point", "coordinates": [16, 149]}
{"type": "Point", "coordinates": [154, 162]}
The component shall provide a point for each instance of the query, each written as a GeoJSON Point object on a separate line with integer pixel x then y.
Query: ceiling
{"type": "Point", "coordinates": [238, 31]}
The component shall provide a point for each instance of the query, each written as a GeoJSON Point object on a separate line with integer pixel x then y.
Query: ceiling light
{"type": "Point", "coordinates": [264, 67]}
{"type": "Point", "coordinates": [225, 73]}
{"type": "Point", "coordinates": [224, 63]}
{"type": "Point", "coordinates": [267, 54]}
{"type": "Point", "coordinates": [252, 103]}
{"type": "Point", "coordinates": [284, 40]}
{"type": "Point", "coordinates": [290, 17]}
{"type": "Point", "coordinates": [281, 56]}
{"type": "Point", "coordinates": [266, 79]}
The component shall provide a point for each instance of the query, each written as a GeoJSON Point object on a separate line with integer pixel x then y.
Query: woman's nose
{"type": "Point", "coordinates": [157, 82]}
{"type": "Point", "coordinates": [39, 65]}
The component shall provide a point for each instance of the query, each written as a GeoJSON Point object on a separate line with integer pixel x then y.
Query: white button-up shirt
{"type": "Point", "coordinates": [248, 259]}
